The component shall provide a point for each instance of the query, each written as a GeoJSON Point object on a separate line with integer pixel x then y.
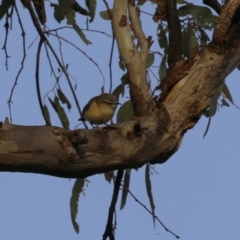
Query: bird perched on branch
{"type": "Point", "coordinates": [99, 109]}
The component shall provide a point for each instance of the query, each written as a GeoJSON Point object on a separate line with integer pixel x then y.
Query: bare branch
{"type": "Point", "coordinates": [36, 23]}
{"type": "Point", "coordinates": [81, 51]}
{"type": "Point", "coordinates": [22, 62]}
{"type": "Point", "coordinates": [109, 231]}
{"type": "Point", "coordinates": [110, 64]}
{"type": "Point", "coordinates": [112, 47]}
{"type": "Point", "coordinates": [175, 35]}
{"type": "Point", "coordinates": [136, 27]}
{"type": "Point", "coordinates": [6, 25]}
{"type": "Point", "coordinates": [37, 82]}
{"type": "Point", "coordinates": [149, 211]}
{"type": "Point", "coordinates": [135, 61]}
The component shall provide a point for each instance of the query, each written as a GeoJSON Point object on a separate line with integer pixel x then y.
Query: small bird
{"type": "Point", "coordinates": [99, 109]}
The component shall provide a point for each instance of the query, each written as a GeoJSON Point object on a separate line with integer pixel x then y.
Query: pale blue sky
{"type": "Point", "coordinates": [196, 192]}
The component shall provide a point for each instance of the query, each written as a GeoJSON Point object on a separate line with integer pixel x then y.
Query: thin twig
{"type": "Point", "coordinates": [6, 25]}
{"type": "Point", "coordinates": [110, 65]}
{"type": "Point", "coordinates": [109, 231]}
{"type": "Point", "coordinates": [89, 58]}
{"type": "Point", "coordinates": [83, 29]}
{"type": "Point", "coordinates": [36, 23]}
{"type": "Point", "coordinates": [144, 206]}
{"type": "Point", "coordinates": [112, 47]}
{"type": "Point", "coordinates": [22, 62]}
{"type": "Point", "coordinates": [37, 82]}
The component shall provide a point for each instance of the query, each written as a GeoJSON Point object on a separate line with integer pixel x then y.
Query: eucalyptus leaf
{"type": "Point", "coordinates": [46, 113]}
{"type": "Point", "coordinates": [81, 34]}
{"type": "Point", "coordinates": [108, 177]}
{"type": "Point", "coordinates": [227, 93]}
{"type": "Point", "coordinates": [58, 13]}
{"type": "Point", "coordinates": [126, 184]}
{"type": "Point", "coordinates": [125, 112]}
{"type": "Point", "coordinates": [77, 8]}
{"type": "Point", "coordinates": [91, 4]}
{"type": "Point", "coordinates": [150, 59]}
{"type": "Point", "coordinates": [74, 201]}
{"type": "Point", "coordinates": [119, 90]}
{"type": "Point", "coordinates": [163, 69]}
{"type": "Point", "coordinates": [105, 15]}
{"type": "Point", "coordinates": [63, 98]}
{"type": "Point", "coordinates": [60, 112]}
{"type": "Point", "coordinates": [6, 4]}
{"type": "Point", "coordinates": [149, 191]}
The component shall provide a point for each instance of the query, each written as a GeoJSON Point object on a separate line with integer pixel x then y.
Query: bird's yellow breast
{"type": "Point", "coordinates": [99, 113]}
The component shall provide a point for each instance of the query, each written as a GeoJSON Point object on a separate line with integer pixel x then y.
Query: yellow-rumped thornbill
{"type": "Point", "coordinates": [100, 109]}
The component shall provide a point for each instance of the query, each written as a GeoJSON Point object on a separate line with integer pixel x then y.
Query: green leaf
{"type": "Point", "coordinates": [53, 104]}
{"type": "Point", "coordinates": [183, 11]}
{"type": "Point", "coordinates": [192, 38]}
{"type": "Point", "coordinates": [77, 8]}
{"type": "Point", "coordinates": [202, 15]}
{"type": "Point", "coordinates": [125, 79]}
{"type": "Point", "coordinates": [189, 40]}
{"type": "Point", "coordinates": [66, 5]}
{"type": "Point", "coordinates": [70, 15]}
{"type": "Point", "coordinates": [102, 89]}
{"type": "Point", "coordinates": [121, 63]}
{"type": "Point", "coordinates": [162, 39]}
{"type": "Point", "coordinates": [126, 184]}
{"type": "Point", "coordinates": [213, 105]}
{"type": "Point", "coordinates": [6, 4]}
{"type": "Point", "coordinates": [227, 93]}
{"type": "Point", "coordinates": [214, 100]}
{"type": "Point", "coordinates": [91, 4]}
{"type": "Point", "coordinates": [108, 177]}
{"type": "Point", "coordinates": [46, 113]}
{"type": "Point", "coordinates": [225, 103]}
{"type": "Point", "coordinates": [150, 59]}
{"type": "Point", "coordinates": [58, 13]}
{"type": "Point", "coordinates": [141, 2]}
{"type": "Point", "coordinates": [208, 126]}
{"type": "Point", "coordinates": [60, 112]}
{"type": "Point", "coordinates": [163, 69]}
{"type": "Point", "coordinates": [185, 40]}
{"type": "Point", "coordinates": [77, 189]}
{"type": "Point", "coordinates": [81, 34]}
{"type": "Point", "coordinates": [105, 15]}
{"type": "Point", "coordinates": [125, 112]}
{"type": "Point", "coordinates": [119, 90]}
{"type": "Point", "coordinates": [63, 98]}
{"type": "Point", "coordinates": [149, 191]}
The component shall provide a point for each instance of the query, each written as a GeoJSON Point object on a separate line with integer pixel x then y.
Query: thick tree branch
{"type": "Point", "coordinates": [134, 60]}
{"type": "Point", "coordinates": [227, 27]}
{"type": "Point", "coordinates": [175, 35]}
{"type": "Point", "coordinates": [81, 153]}
{"type": "Point", "coordinates": [147, 138]}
